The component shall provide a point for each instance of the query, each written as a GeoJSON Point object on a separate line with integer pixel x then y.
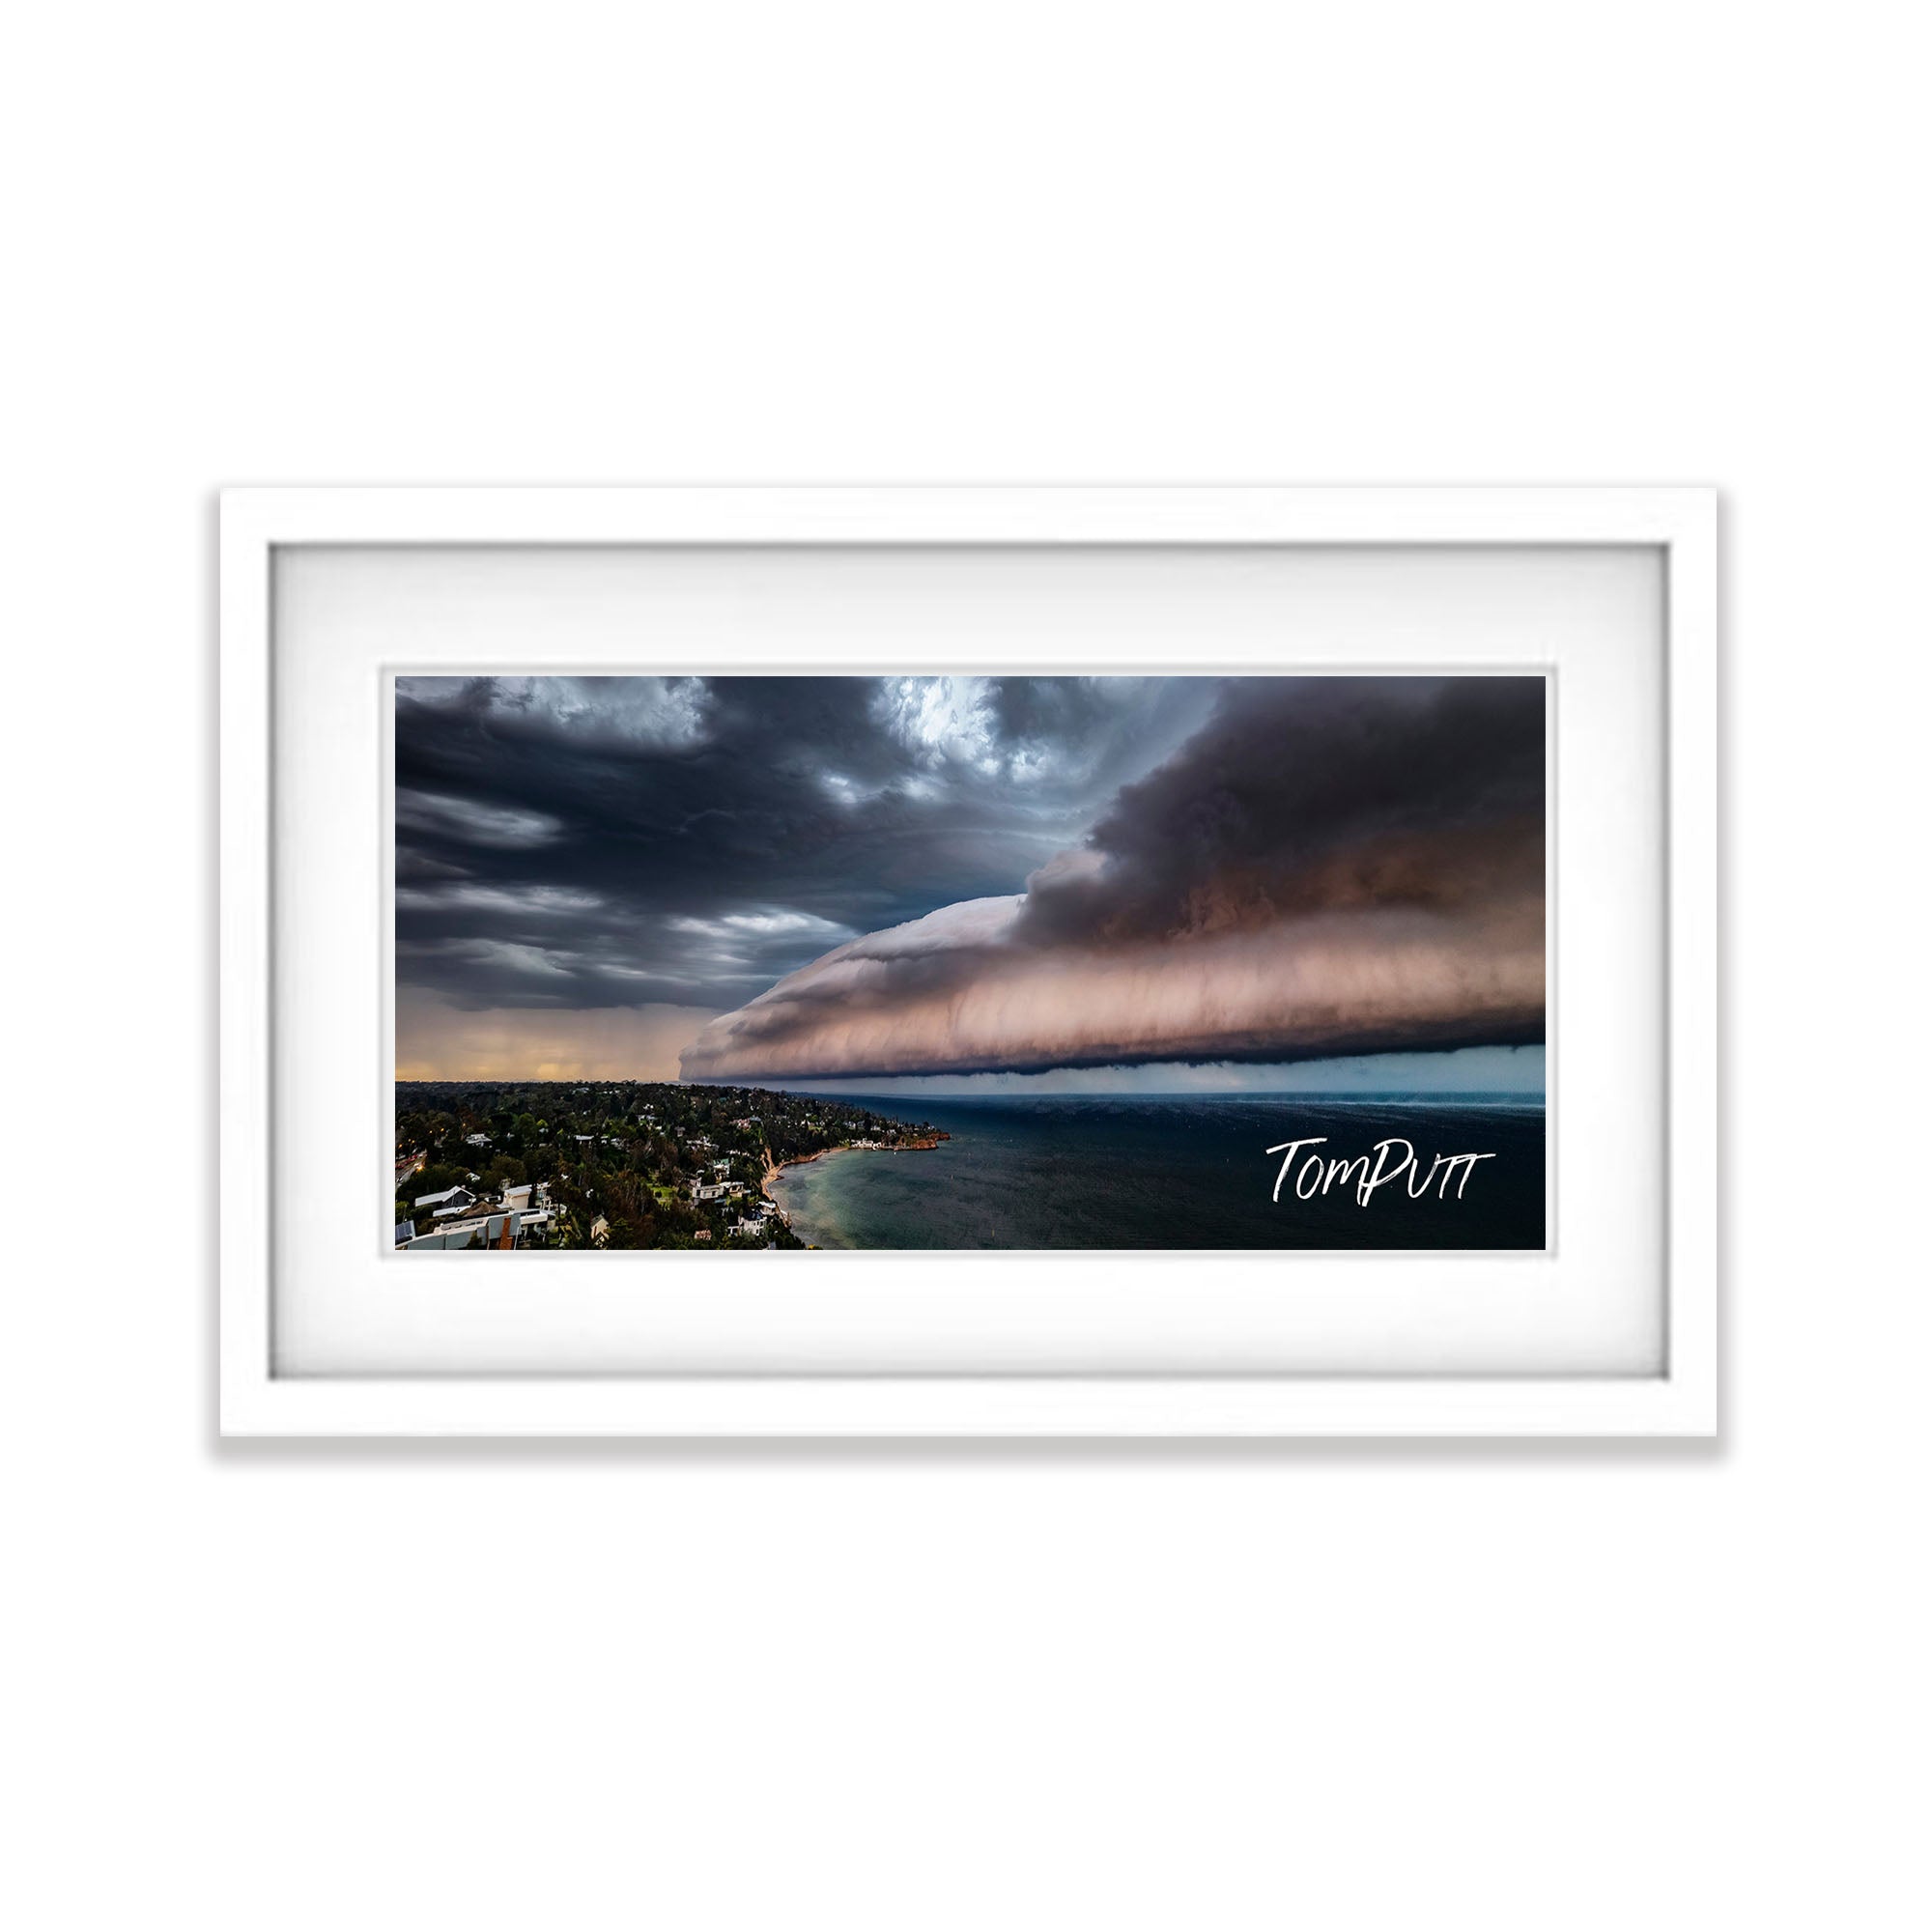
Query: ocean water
{"type": "Point", "coordinates": [1177, 1172]}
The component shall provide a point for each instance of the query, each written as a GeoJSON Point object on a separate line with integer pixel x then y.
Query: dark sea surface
{"type": "Point", "coordinates": [1176, 1173]}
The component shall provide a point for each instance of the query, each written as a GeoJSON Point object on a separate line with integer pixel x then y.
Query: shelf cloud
{"type": "Point", "coordinates": [1325, 866]}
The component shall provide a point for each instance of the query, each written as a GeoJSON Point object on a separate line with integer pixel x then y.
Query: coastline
{"type": "Point", "coordinates": [775, 1168]}
{"type": "Point", "coordinates": [1188, 1172]}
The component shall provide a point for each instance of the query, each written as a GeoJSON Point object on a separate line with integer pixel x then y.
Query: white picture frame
{"type": "Point", "coordinates": [1679, 1398]}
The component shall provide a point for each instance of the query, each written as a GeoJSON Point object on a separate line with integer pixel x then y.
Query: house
{"type": "Point", "coordinates": [701, 1190]}
{"type": "Point", "coordinates": [476, 1140]}
{"type": "Point", "coordinates": [600, 1228]}
{"type": "Point", "coordinates": [702, 1235]}
{"type": "Point", "coordinates": [532, 1205]}
{"type": "Point", "coordinates": [483, 1231]}
{"type": "Point", "coordinates": [452, 1199]}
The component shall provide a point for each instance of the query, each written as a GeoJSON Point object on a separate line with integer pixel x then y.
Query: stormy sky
{"type": "Point", "coordinates": [804, 879]}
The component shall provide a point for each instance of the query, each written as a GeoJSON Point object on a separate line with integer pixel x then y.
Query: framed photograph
{"type": "Point", "coordinates": [936, 962]}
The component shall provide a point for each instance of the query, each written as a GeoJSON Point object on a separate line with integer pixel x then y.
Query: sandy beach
{"type": "Point", "coordinates": [774, 1168]}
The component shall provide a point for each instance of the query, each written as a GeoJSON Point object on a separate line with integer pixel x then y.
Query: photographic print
{"type": "Point", "coordinates": [785, 962]}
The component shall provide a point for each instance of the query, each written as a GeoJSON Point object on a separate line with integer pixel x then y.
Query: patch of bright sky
{"type": "Point", "coordinates": [941, 717]}
{"type": "Point", "coordinates": [1517, 1071]}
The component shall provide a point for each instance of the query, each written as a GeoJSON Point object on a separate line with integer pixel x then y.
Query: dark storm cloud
{"type": "Point", "coordinates": [1311, 795]}
{"type": "Point", "coordinates": [584, 843]}
{"type": "Point", "coordinates": [1326, 866]}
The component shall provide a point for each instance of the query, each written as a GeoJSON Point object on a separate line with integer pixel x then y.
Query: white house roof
{"type": "Point", "coordinates": [484, 1228]}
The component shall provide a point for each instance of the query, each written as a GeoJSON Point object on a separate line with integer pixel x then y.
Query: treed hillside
{"type": "Point", "coordinates": [628, 1164]}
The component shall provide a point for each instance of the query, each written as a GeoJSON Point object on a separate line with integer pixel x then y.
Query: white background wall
{"type": "Point", "coordinates": [1347, 1687]}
